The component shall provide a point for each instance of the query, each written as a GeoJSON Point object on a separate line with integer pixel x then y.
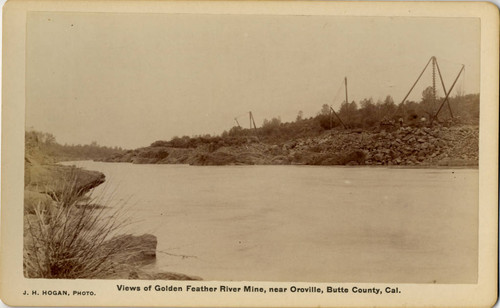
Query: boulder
{"type": "Point", "coordinates": [54, 179]}
{"type": "Point", "coordinates": [378, 157]}
{"type": "Point", "coordinates": [207, 159]}
{"type": "Point", "coordinates": [132, 249]}
{"type": "Point", "coordinates": [34, 200]}
{"type": "Point", "coordinates": [355, 156]}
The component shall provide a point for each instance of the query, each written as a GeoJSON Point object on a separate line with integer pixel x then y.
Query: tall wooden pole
{"type": "Point", "coordinates": [331, 110]}
{"type": "Point", "coordinates": [448, 94]}
{"type": "Point", "coordinates": [434, 82]}
{"type": "Point", "coordinates": [404, 99]}
{"type": "Point", "coordinates": [347, 101]}
{"type": "Point", "coordinates": [444, 88]}
{"type": "Point", "coordinates": [253, 121]}
{"type": "Point", "coordinates": [331, 118]}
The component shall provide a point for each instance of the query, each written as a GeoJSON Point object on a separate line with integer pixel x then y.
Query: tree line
{"type": "Point", "coordinates": [365, 114]}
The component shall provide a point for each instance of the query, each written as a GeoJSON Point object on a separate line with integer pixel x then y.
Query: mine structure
{"type": "Point", "coordinates": [435, 67]}
{"type": "Point", "coordinates": [332, 111]}
{"type": "Point", "coordinates": [250, 117]}
{"type": "Point", "coordinates": [433, 117]}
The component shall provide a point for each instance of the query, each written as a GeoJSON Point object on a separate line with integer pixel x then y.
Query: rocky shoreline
{"type": "Point", "coordinates": [45, 187]}
{"type": "Point", "coordinates": [404, 146]}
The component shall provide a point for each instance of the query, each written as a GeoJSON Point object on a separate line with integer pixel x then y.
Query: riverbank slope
{"type": "Point", "coordinates": [404, 146]}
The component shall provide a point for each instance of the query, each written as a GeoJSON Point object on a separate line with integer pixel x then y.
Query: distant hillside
{"type": "Point", "coordinates": [44, 148]}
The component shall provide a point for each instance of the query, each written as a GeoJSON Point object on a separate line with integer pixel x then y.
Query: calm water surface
{"type": "Point", "coordinates": [303, 223]}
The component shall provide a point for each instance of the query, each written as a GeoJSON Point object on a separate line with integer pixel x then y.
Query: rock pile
{"type": "Point", "coordinates": [407, 146]}
{"type": "Point", "coordinates": [425, 146]}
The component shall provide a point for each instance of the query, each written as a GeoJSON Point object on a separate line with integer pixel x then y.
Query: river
{"type": "Point", "coordinates": [303, 223]}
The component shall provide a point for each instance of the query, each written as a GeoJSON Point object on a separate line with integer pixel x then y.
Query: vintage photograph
{"type": "Point", "coordinates": [233, 147]}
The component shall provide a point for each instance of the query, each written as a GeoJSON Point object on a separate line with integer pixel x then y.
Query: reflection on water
{"type": "Point", "coordinates": [301, 223]}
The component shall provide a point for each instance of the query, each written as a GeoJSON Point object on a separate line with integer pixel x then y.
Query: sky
{"type": "Point", "coordinates": [131, 79]}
